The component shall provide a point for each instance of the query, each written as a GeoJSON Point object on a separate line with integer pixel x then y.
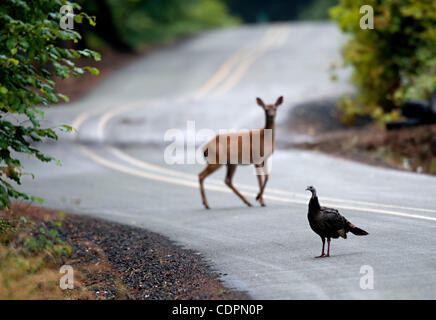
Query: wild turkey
{"type": "Point", "coordinates": [328, 223]}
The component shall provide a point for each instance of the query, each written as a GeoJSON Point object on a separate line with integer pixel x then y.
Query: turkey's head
{"type": "Point", "coordinates": [311, 189]}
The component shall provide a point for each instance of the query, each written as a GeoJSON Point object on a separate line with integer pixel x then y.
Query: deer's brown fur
{"type": "Point", "coordinates": [252, 147]}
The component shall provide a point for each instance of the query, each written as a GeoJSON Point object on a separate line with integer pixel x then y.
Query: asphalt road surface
{"type": "Point", "coordinates": [115, 168]}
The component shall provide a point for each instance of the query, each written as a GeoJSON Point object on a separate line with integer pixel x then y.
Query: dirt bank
{"type": "Point", "coordinates": [410, 149]}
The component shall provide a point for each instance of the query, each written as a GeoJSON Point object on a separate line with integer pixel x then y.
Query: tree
{"type": "Point", "coordinates": [30, 56]}
{"type": "Point", "coordinates": [394, 61]}
{"type": "Point", "coordinates": [153, 21]}
{"type": "Point", "coordinates": [128, 25]}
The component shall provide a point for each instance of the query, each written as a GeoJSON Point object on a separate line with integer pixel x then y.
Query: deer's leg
{"type": "Point", "coordinates": [203, 174]}
{"type": "Point", "coordinates": [262, 188]}
{"type": "Point", "coordinates": [264, 184]}
{"type": "Point", "coordinates": [231, 168]}
{"type": "Point", "coordinates": [259, 179]}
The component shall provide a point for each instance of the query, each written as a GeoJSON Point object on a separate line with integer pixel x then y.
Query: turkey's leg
{"type": "Point", "coordinates": [322, 252]}
{"type": "Point", "coordinates": [328, 248]}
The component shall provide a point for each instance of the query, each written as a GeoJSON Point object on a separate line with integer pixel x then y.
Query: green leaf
{"type": "Point", "coordinates": [78, 18]}
{"type": "Point", "coordinates": [11, 43]}
{"type": "Point", "coordinates": [93, 71]}
{"type": "Point", "coordinates": [92, 21]}
{"type": "Point", "coordinates": [385, 72]}
{"type": "Point", "coordinates": [30, 58]}
{"type": "Point", "coordinates": [64, 97]}
{"type": "Point", "coordinates": [67, 128]}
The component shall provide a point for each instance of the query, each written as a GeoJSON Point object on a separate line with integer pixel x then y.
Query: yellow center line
{"type": "Point", "coordinates": [219, 76]}
{"type": "Point", "coordinates": [273, 37]}
{"type": "Point", "coordinates": [105, 118]}
{"type": "Point", "coordinates": [269, 41]}
{"type": "Point", "coordinates": [78, 121]}
{"type": "Point", "coordinates": [193, 184]}
{"type": "Point", "coordinates": [145, 165]}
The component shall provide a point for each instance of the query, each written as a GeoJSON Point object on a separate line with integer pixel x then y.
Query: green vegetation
{"type": "Point", "coordinates": [30, 56]}
{"type": "Point", "coordinates": [394, 61]}
{"type": "Point", "coordinates": [29, 238]}
{"type": "Point", "coordinates": [30, 256]}
{"type": "Point", "coordinates": [34, 50]}
{"type": "Point", "coordinates": [317, 10]}
{"type": "Point", "coordinates": [129, 24]}
{"type": "Point", "coordinates": [34, 245]}
{"type": "Point", "coordinates": [150, 22]}
{"type": "Point", "coordinates": [279, 10]}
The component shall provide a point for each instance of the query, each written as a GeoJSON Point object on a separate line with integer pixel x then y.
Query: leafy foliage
{"type": "Point", "coordinates": [278, 10]}
{"type": "Point", "coordinates": [316, 10]}
{"type": "Point", "coordinates": [30, 55]}
{"type": "Point", "coordinates": [31, 252]}
{"type": "Point", "coordinates": [150, 21]}
{"type": "Point", "coordinates": [32, 238]}
{"type": "Point", "coordinates": [394, 61]}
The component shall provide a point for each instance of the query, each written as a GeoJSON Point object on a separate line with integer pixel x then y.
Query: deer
{"type": "Point", "coordinates": [242, 148]}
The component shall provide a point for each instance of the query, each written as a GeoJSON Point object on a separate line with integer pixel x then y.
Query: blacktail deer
{"type": "Point", "coordinates": [243, 148]}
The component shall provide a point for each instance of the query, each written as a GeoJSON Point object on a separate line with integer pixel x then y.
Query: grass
{"type": "Point", "coordinates": [433, 166]}
{"type": "Point", "coordinates": [30, 258]}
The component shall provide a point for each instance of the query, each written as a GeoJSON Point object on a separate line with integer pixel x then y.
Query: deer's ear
{"type": "Point", "coordinates": [260, 102]}
{"type": "Point", "coordinates": [279, 101]}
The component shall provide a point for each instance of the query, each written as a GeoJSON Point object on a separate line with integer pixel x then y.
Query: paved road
{"type": "Point", "coordinates": [114, 168]}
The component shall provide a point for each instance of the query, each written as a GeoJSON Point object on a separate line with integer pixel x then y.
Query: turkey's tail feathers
{"type": "Point", "coordinates": [357, 231]}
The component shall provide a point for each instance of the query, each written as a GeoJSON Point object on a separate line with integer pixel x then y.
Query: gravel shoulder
{"type": "Point", "coordinates": [123, 262]}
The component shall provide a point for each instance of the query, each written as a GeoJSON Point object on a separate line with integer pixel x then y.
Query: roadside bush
{"type": "Point", "coordinates": [31, 253]}
{"type": "Point", "coordinates": [316, 10]}
{"type": "Point", "coordinates": [31, 239]}
{"type": "Point", "coordinates": [30, 55]}
{"type": "Point", "coordinates": [141, 22]}
{"type": "Point", "coordinates": [394, 61]}
{"type": "Point", "coordinates": [29, 256]}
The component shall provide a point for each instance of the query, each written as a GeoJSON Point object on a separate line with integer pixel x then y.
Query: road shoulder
{"type": "Point", "coordinates": [124, 262]}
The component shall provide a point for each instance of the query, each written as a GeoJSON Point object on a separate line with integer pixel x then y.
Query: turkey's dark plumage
{"type": "Point", "coordinates": [328, 222]}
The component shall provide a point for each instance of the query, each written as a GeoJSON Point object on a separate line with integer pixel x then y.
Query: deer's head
{"type": "Point", "coordinates": [270, 109]}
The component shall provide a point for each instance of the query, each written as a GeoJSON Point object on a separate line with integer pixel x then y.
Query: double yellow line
{"type": "Point", "coordinates": [240, 62]}
{"type": "Point", "coordinates": [191, 180]}
{"type": "Point", "coordinates": [224, 79]}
